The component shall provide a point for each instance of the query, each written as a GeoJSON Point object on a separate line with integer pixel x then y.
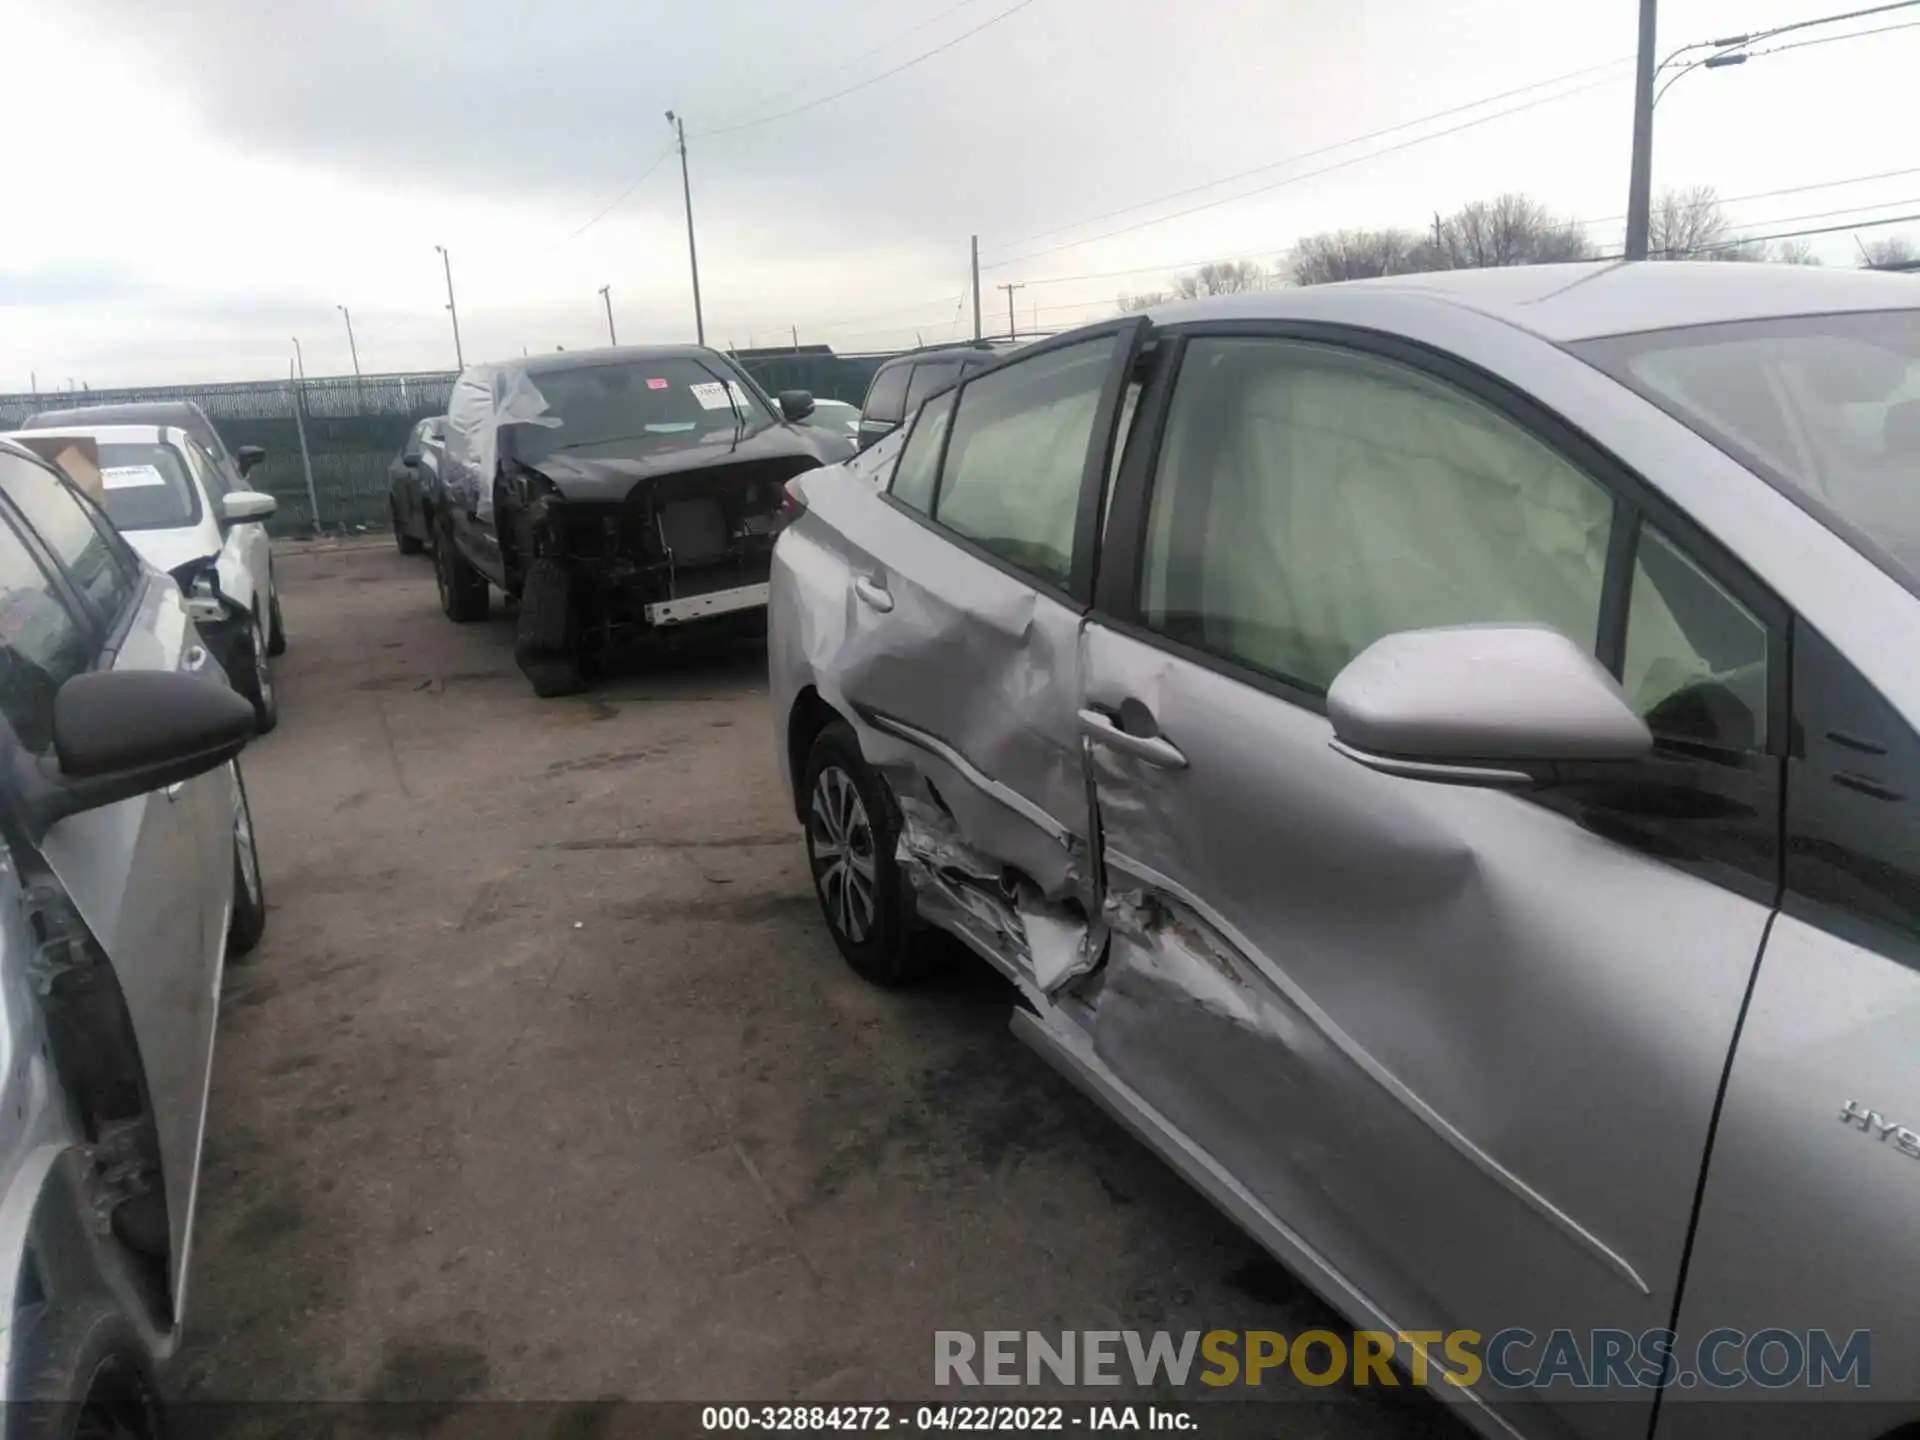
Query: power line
{"type": "Point", "coordinates": [1323, 150]}
{"type": "Point", "coordinates": [612, 204]}
{"type": "Point", "coordinates": [1786, 190]}
{"type": "Point", "coordinates": [1296, 179]}
{"type": "Point", "coordinates": [1799, 234]}
{"type": "Point", "coordinates": [1829, 39]}
{"type": "Point", "coordinates": [871, 80]}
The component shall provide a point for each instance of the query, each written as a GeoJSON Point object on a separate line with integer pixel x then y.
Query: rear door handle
{"type": "Point", "coordinates": [1155, 750]}
{"type": "Point", "coordinates": [874, 595]}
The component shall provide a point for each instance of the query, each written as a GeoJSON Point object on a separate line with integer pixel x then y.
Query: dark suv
{"type": "Point", "coordinates": [901, 383]}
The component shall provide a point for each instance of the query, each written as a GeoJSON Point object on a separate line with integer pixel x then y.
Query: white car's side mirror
{"type": "Point", "coordinates": [242, 505]}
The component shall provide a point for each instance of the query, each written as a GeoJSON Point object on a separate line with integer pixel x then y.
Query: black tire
{"type": "Point", "coordinates": [276, 627]}
{"type": "Point", "coordinates": [249, 887]}
{"type": "Point", "coordinates": [252, 674]}
{"type": "Point", "coordinates": [882, 950]}
{"type": "Point", "coordinates": [405, 543]}
{"type": "Point", "coordinates": [463, 589]}
{"type": "Point", "coordinates": [82, 1371]}
{"type": "Point", "coordinates": [547, 639]}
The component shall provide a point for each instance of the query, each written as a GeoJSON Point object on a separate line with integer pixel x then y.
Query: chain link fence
{"type": "Point", "coordinates": [354, 427]}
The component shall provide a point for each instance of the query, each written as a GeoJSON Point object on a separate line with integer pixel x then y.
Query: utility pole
{"type": "Point", "coordinates": [446, 262]}
{"type": "Point", "coordinates": [297, 354]}
{"type": "Point", "coordinates": [606, 294]}
{"type": "Point", "coordinates": [1640, 182]}
{"type": "Point", "coordinates": [300, 424]}
{"type": "Point", "coordinates": [33, 379]}
{"type": "Point", "coordinates": [796, 336]}
{"type": "Point", "coordinates": [693, 255]}
{"type": "Point", "coordinates": [352, 349]}
{"type": "Point", "coordinates": [976, 287]}
{"type": "Point", "coordinates": [1010, 324]}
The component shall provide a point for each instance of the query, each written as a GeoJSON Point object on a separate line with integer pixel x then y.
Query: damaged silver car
{"type": "Point", "coordinates": [1437, 758]}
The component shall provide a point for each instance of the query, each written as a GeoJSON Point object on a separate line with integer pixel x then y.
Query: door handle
{"type": "Point", "coordinates": [195, 658]}
{"type": "Point", "coordinates": [1155, 750]}
{"type": "Point", "coordinates": [873, 594]}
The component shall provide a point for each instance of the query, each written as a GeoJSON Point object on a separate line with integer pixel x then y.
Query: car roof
{"type": "Point", "coordinates": [986, 349]}
{"type": "Point", "coordinates": [604, 355]}
{"type": "Point", "coordinates": [183, 413]}
{"type": "Point", "coordinates": [109, 434]}
{"type": "Point", "coordinates": [1567, 303]}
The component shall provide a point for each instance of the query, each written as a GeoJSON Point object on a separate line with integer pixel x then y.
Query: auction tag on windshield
{"type": "Point", "coordinates": [712, 396]}
{"type": "Point", "coordinates": [130, 477]}
{"type": "Point", "coordinates": [655, 382]}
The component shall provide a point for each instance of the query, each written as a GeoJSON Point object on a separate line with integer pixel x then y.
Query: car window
{"type": "Point", "coordinates": [1011, 478]}
{"type": "Point", "coordinates": [79, 536]}
{"type": "Point", "coordinates": [887, 397]}
{"type": "Point", "coordinates": [148, 487]}
{"type": "Point", "coordinates": [1310, 500]}
{"type": "Point", "coordinates": [919, 461]}
{"type": "Point", "coordinates": [42, 643]}
{"type": "Point", "coordinates": [1696, 658]}
{"type": "Point", "coordinates": [212, 477]}
{"type": "Point", "coordinates": [209, 440]}
{"type": "Point", "coordinates": [929, 377]}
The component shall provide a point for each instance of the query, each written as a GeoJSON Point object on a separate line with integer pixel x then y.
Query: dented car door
{"type": "Point", "coordinates": [1458, 1047]}
{"type": "Point", "coordinates": [966, 591]}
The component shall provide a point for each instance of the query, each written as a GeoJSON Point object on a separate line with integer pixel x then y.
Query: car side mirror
{"type": "Point", "coordinates": [412, 462]}
{"type": "Point", "coordinates": [796, 405]}
{"type": "Point", "coordinates": [248, 456]}
{"type": "Point", "coordinates": [241, 505]}
{"type": "Point", "coordinates": [122, 733]}
{"type": "Point", "coordinates": [1480, 705]}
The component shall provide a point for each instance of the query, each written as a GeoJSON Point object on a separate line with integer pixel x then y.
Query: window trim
{"type": "Point", "coordinates": [106, 631]}
{"type": "Point", "coordinates": [1116, 588]}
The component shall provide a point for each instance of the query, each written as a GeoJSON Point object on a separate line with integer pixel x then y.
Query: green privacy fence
{"type": "Point", "coordinates": [354, 427]}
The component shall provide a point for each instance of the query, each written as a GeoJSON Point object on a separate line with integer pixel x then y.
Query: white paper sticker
{"type": "Point", "coordinates": [130, 477]}
{"type": "Point", "coordinates": [712, 395]}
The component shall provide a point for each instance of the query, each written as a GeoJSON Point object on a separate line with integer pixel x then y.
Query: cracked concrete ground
{"type": "Point", "coordinates": [548, 1084]}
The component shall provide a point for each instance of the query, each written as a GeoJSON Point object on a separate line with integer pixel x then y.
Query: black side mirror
{"type": "Point", "coordinates": [122, 733]}
{"type": "Point", "coordinates": [248, 456]}
{"type": "Point", "coordinates": [796, 405]}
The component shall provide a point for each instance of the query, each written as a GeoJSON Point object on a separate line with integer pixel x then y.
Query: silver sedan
{"type": "Point", "coordinates": [1438, 759]}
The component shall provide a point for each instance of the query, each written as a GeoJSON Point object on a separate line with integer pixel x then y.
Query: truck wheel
{"type": "Point", "coordinates": [852, 829]}
{"type": "Point", "coordinates": [463, 589]}
{"type": "Point", "coordinates": [81, 1371]}
{"type": "Point", "coordinates": [249, 891]}
{"type": "Point", "coordinates": [252, 674]}
{"type": "Point", "coordinates": [404, 542]}
{"type": "Point", "coordinates": [547, 639]}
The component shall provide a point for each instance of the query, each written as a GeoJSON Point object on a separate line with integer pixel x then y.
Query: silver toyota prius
{"type": "Point", "coordinates": [1438, 758]}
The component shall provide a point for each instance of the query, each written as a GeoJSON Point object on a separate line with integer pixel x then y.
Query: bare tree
{"type": "Point", "coordinates": [1129, 304]}
{"type": "Point", "coordinates": [1691, 224]}
{"type": "Point", "coordinates": [1510, 229]}
{"type": "Point", "coordinates": [1893, 252]}
{"type": "Point", "coordinates": [1221, 277]}
{"type": "Point", "coordinates": [1350, 255]}
{"type": "Point", "coordinates": [1796, 252]}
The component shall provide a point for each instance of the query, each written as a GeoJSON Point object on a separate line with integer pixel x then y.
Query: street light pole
{"type": "Point", "coordinates": [606, 294]}
{"type": "Point", "coordinates": [1010, 289]}
{"type": "Point", "coordinates": [693, 254]}
{"type": "Point", "coordinates": [446, 262]}
{"type": "Point", "coordinates": [301, 358]}
{"type": "Point", "coordinates": [1640, 178]}
{"type": "Point", "coordinates": [352, 349]}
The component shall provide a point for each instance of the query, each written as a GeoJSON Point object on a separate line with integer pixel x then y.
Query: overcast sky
{"type": "Point", "coordinates": [196, 182]}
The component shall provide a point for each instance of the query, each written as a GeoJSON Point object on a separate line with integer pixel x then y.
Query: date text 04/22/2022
{"type": "Point", "coordinates": [966, 1419]}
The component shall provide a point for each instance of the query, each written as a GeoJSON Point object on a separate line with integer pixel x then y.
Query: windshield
{"type": "Point", "coordinates": [147, 487]}
{"type": "Point", "coordinates": [1826, 406]}
{"type": "Point", "coordinates": [644, 404]}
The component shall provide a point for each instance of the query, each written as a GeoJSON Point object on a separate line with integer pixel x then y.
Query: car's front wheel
{"type": "Point", "coordinates": [463, 589]}
{"type": "Point", "coordinates": [853, 827]}
{"type": "Point", "coordinates": [404, 542]}
{"type": "Point", "coordinates": [253, 676]}
{"type": "Point", "coordinates": [81, 1371]}
{"type": "Point", "coordinates": [249, 890]}
{"type": "Point", "coordinates": [547, 638]}
{"type": "Point", "coordinates": [276, 627]}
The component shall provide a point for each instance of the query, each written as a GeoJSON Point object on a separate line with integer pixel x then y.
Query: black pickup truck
{"type": "Point", "coordinates": [623, 496]}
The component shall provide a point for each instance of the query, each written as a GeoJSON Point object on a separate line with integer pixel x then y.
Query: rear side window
{"type": "Point", "coordinates": [1012, 474]}
{"type": "Point", "coordinates": [914, 474]}
{"type": "Point", "coordinates": [78, 535]}
{"type": "Point", "coordinates": [929, 378]}
{"type": "Point", "coordinates": [42, 643]}
{"type": "Point", "coordinates": [887, 398]}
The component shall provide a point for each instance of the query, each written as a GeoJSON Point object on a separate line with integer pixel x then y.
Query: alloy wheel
{"type": "Point", "coordinates": [243, 842]}
{"type": "Point", "coordinates": [262, 666]}
{"type": "Point", "coordinates": [840, 843]}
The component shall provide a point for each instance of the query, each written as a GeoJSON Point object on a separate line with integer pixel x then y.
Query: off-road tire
{"type": "Point", "coordinates": [249, 886]}
{"type": "Point", "coordinates": [276, 627]}
{"type": "Point", "coordinates": [81, 1370]}
{"type": "Point", "coordinates": [252, 675]}
{"type": "Point", "coordinates": [405, 543]}
{"type": "Point", "coordinates": [885, 953]}
{"type": "Point", "coordinates": [463, 589]}
{"type": "Point", "coordinates": [547, 640]}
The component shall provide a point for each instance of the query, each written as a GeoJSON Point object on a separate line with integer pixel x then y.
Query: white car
{"type": "Point", "coordinates": [162, 489]}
